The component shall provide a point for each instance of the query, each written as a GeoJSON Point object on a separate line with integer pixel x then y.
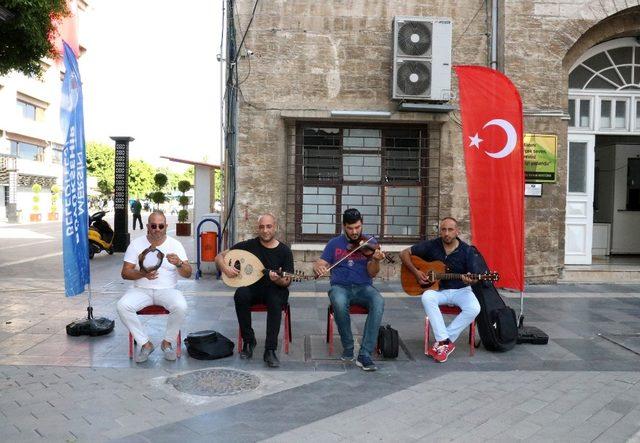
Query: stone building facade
{"type": "Point", "coordinates": [304, 60]}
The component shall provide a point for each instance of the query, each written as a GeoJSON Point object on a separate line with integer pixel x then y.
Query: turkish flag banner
{"type": "Point", "coordinates": [492, 134]}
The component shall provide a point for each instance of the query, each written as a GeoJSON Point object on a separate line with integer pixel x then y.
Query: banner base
{"type": "Point", "coordinates": [90, 326]}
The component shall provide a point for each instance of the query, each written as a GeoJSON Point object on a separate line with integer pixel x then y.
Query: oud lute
{"type": "Point", "coordinates": [250, 269]}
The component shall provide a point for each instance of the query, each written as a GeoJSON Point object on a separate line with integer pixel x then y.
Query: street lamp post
{"type": "Point", "coordinates": [121, 194]}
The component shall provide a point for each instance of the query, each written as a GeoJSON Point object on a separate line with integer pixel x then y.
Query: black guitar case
{"type": "Point", "coordinates": [497, 324]}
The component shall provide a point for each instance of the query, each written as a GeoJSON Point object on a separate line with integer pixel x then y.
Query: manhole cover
{"type": "Point", "coordinates": [215, 382]}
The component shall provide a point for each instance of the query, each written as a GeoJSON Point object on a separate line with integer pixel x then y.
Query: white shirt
{"type": "Point", "coordinates": [167, 273]}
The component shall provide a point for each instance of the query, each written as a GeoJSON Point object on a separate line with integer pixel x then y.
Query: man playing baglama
{"type": "Point", "coordinates": [351, 284]}
{"type": "Point", "coordinates": [154, 287]}
{"type": "Point", "coordinates": [458, 258]}
{"type": "Point", "coordinates": [271, 290]}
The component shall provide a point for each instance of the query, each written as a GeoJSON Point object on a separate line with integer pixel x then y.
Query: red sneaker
{"type": "Point", "coordinates": [443, 351]}
{"type": "Point", "coordinates": [433, 350]}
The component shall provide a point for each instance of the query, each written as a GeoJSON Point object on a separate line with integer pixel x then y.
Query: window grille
{"type": "Point", "coordinates": [389, 172]}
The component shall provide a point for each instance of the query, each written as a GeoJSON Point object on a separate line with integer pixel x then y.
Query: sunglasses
{"type": "Point", "coordinates": [154, 226]}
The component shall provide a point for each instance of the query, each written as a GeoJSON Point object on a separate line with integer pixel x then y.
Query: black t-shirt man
{"type": "Point", "coordinates": [273, 259]}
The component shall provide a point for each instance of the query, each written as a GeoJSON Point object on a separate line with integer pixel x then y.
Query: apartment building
{"type": "Point", "coordinates": [31, 141]}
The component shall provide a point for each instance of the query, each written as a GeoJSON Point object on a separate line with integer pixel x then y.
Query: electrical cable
{"type": "Point", "coordinates": [469, 24]}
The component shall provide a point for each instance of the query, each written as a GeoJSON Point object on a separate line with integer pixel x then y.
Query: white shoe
{"type": "Point", "coordinates": [143, 355]}
{"type": "Point", "coordinates": [169, 353]}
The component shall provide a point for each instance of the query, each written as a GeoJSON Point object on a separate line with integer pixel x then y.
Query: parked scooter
{"type": "Point", "coordinates": [100, 235]}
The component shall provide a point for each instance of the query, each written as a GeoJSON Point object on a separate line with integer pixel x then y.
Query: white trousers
{"type": "Point", "coordinates": [463, 298]}
{"type": "Point", "coordinates": [137, 298]}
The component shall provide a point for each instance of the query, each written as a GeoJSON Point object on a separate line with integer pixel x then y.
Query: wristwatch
{"type": "Point", "coordinates": [179, 265]}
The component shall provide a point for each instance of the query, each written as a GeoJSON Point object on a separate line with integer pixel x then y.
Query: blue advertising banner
{"type": "Point", "coordinates": [75, 222]}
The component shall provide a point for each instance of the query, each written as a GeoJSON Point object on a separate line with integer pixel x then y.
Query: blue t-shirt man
{"type": "Point", "coordinates": [352, 270]}
{"type": "Point", "coordinates": [351, 284]}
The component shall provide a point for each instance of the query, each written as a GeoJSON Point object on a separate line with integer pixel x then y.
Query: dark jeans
{"type": "Point", "coordinates": [246, 297]}
{"type": "Point", "coordinates": [137, 217]}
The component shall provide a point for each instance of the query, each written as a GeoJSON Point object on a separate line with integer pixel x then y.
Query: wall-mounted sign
{"type": "Point", "coordinates": [533, 189]}
{"type": "Point", "coordinates": [540, 155]}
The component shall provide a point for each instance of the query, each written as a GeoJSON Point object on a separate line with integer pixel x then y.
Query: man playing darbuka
{"type": "Point", "coordinates": [458, 258]}
{"type": "Point", "coordinates": [154, 287]}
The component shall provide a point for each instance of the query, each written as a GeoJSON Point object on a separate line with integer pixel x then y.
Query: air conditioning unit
{"type": "Point", "coordinates": [421, 58]}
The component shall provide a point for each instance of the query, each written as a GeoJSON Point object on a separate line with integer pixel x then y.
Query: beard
{"type": "Point", "coordinates": [266, 237]}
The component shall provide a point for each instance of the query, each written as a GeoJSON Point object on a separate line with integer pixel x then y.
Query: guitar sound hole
{"type": "Point", "coordinates": [236, 264]}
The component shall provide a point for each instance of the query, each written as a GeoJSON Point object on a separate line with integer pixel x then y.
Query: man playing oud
{"type": "Point", "coordinates": [458, 258]}
{"type": "Point", "coordinates": [272, 289]}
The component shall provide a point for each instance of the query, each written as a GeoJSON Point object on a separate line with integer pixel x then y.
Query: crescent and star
{"type": "Point", "coordinates": [509, 146]}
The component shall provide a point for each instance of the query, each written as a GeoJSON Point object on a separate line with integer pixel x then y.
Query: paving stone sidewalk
{"type": "Point", "coordinates": [583, 386]}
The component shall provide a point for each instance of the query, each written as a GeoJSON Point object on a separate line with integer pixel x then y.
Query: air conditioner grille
{"type": "Point", "coordinates": [413, 77]}
{"type": "Point", "coordinates": [414, 38]}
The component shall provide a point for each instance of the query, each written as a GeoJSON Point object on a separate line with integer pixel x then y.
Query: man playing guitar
{"type": "Point", "coordinates": [458, 258]}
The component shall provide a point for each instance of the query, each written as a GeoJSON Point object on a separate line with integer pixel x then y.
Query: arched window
{"type": "Point", "coordinates": [604, 88]}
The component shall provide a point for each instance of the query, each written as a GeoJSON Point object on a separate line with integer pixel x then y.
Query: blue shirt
{"type": "Point", "coordinates": [353, 270]}
{"type": "Point", "coordinates": [460, 261]}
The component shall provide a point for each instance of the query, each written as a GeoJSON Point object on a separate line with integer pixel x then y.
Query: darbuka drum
{"type": "Point", "coordinates": [150, 259]}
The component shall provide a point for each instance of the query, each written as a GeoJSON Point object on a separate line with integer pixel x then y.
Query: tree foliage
{"type": "Point", "coordinates": [27, 37]}
{"type": "Point", "coordinates": [219, 177]}
{"type": "Point", "coordinates": [183, 214]}
{"type": "Point", "coordinates": [184, 186]}
{"type": "Point", "coordinates": [160, 180]}
{"type": "Point", "coordinates": [140, 178]}
{"type": "Point", "coordinates": [100, 164]}
{"type": "Point", "coordinates": [105, 188]}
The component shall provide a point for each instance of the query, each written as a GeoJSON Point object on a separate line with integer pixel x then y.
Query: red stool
{"type": "Point", "coordinates": [156, 310]}
{"type": "Point", "coordinates": [353, 309]}
{"type": "Point", "coordinates": [450, 310]}
{"type": "Point", "coordinates": [286, 315]}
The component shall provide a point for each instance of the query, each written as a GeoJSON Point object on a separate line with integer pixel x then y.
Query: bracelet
{"type": "Point", "coordinates": [179, 265]}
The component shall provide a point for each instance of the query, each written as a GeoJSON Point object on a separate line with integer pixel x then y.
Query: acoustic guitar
{"type": "Point", "coordinates": [251, 269]}
{"type": "Point", "coordinates": [436, 271]}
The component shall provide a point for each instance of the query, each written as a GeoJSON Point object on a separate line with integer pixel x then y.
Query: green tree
{"type": "Point", "coordinates": [158, 196]}
{"type": "Point", "coordinates": [36, 188]}
{"type": "Point", "coordinates": [27, 36]}
{"type": "Point", "coordinates": [140, 178]}
{"type": "Point", "coordinates": [219, 184]}
{"type": "Point", "coordinates": [183, 186]}
{"type": "Point", "coordinates": [105, 188]}
{"type": "Point", "coordinates": [55, 193]}
{"type": "Point", "coordinates": [100, 164]}
{"type": "Point", "coordinates": [172, 178]}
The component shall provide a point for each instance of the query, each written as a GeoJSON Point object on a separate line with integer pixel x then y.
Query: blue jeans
{"type": "Point", "coordinates": [343, 296]}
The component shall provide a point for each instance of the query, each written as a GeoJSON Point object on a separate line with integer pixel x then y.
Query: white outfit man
{"type": "Point", "coordinates": [155, 287]}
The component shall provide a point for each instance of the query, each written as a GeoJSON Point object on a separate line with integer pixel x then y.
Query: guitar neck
{"type": "Point", "coordinates": [451, 276]}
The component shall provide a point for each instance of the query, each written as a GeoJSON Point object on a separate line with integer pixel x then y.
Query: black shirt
{"type": "Point", "coordinates": [460, 261]}
{"type": "Point", "coordinates": [271, 258]}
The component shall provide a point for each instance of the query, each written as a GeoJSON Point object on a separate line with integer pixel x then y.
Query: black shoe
{"type": "Point", "coordinates": [271, 359]}
{"type": "Point", "coordinates": [247, 349]}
